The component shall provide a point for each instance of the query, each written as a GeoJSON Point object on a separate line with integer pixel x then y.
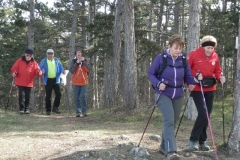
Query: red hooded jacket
{"type": "Point", "coordinates": [25, 72]}
{"type": "Point", "coordinates": [208, 66]}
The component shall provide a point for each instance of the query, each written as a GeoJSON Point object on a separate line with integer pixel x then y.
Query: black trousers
{"type": "Point", "coordinates": [199, 131]}
{"type": "Point", "coordinates": [51, 85]}
{"type": "Point", "coordinates": [27, 92]}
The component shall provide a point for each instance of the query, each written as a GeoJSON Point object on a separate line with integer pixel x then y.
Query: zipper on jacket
{"type": "Point", "coordinates": [175, 75]}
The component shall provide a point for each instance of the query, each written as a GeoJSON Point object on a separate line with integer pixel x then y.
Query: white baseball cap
{"type": "Point", "coordinates": [50, 51]}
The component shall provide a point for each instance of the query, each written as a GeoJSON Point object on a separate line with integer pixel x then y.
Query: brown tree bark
{"type": "Point", "coordinates": [30, 36]}
{"type": "Point", "coordinates": [193, 43]}
{"type": "Point", "coordinates": [176, 17]}
{"type": "Point", "coordinates": [130, 97]}
{"type": "Point", "coordinates": [234, 136]}
{"type": "Point", "coordinates": [113, 84]}
{"type": "Point", "coordinates": [159, 14]}
{"type": "Point", "coordinates": [72, 48]}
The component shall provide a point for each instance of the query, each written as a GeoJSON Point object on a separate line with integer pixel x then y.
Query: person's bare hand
{"type": "Point", "coordinates": [222, 79]}
{"type": "Point", "coordinates": [162, 86]}
{"type": "Point", "coordinates": [14, 74]}
{"type": "Point", "coordinates": [191, 87]}
{"type": "Point", "coordinates": [43, 71]}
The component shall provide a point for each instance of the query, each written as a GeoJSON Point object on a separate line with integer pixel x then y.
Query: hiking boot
{"type": "Point", "coordinates": [55, 109]}
{"type": "Point", "coordinates": [48, 113]}
{"type": "Point", "coordinates": [27, 111]}
{"type": "Point", "coordinates": [85, 115]}
{"type": "Point", "coordinates": [193, 145]}
{"type": "Point", "coordinates": [162, 151]}
{"type": "Point", "coordinates": [172, 156]}
{"type": "Point", "coordinates": [204, 147]}
{"type": "Point", "coordinates": [77, 115]}
{"type": "Point", "coordinates": [21, 111]}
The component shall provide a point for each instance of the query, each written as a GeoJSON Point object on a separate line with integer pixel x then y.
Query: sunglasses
{"type": "Point", "coordinates": [50, 53]}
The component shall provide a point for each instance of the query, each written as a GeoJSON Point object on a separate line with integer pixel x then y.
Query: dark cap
{"type": "Point", "coordinates": [79, 50]}
{"type": "Point", "coordinates": [28, 51]}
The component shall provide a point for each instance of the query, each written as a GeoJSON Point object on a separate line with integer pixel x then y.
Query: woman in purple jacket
{"type": "Point", "coordinates": [170, 86]}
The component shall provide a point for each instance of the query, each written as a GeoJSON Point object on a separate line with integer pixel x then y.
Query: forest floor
{"type": "Point", "coordinates": [66, 137]}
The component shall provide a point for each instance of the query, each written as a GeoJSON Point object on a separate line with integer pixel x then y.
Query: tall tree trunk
{"type": "Point", "coordinates": [91, 14]}
{"type": "Point", "coordinates": [159, 21]}
{"type": "Point", "coordinates": [72, 47]}
{"type": "Point", "coordinates": [165, 27]}
{"type": "Point", "coordinates": [95, 82]}
{"type": "Point", "coordinates": [130, 59]}
{"type": "Point", "coordinates": [176, 17]}
{"type": "Point", "coordinates": [192, 43]}
{"type": "Point", "coordinates": [234, 136]}
{"type": "Point", "coordinates": [150, 21]}
{"type": "Point", "coordinates": [84, 34]}
{"type": "Point", "coordinates": [183, 20]}
{"type": "Point", "coordinates": [30, 36]}
{"type": "Point", "coordinates": [31, 25]}
{"type": "Point", "coordinates": [224, 5]}
{"type": "Point", "coordinates": [107, 79]}
{"type": "Point", "coordinates": [117, 41]}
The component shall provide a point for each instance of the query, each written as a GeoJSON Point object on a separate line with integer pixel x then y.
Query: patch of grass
{"type": "Point", "coordinates": [116, 115]}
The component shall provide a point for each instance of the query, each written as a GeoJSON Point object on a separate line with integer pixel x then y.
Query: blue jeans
{"type": "Point", "coordinates": [80, 95]}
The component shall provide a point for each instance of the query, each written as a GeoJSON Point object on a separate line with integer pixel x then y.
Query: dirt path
{"type": "Point", "coordinates": [64, 137]}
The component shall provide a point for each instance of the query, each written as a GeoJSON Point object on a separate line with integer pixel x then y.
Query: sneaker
{"type": "Point", "coordinates": [193, 145]}
{"type": "Point", "coordinates": [162, 151]}
{"type": "Point", "coordinates": [21, 111]}
{"type": "Point", "coordinates": [172, 156]}
{"type": "Point", "coordinates": [204, 147]}
{"type": "Point", "coordinates": [27, 112]}
{"type": "Point", "coordinates": [85, 115]}
{"type": "Point", "coordinates": [48, 113]}
{"type": "Point", "coordinates": [78, 115]}
{"type": "Point", "coordinates": [55, 109]}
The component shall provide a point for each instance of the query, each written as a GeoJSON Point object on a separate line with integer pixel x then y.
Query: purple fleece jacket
{"type": "Point", "coordinates": [174, 76]}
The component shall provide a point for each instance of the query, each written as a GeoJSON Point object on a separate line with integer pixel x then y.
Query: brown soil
{"type": "Point", "coordinates": [65, 137]}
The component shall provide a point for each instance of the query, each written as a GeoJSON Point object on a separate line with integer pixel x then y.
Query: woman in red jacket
{"type": "Point", "coordinates": [205, 61]}
{"type": "Point", "coordinates": [23, 72]}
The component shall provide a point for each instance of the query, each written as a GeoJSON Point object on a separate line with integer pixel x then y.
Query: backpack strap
{"type": "Point", "coordinates": [164, 64]}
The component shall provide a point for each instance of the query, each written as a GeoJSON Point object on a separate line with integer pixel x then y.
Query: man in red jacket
{"type": "Point", "coordinates": [23, 72]}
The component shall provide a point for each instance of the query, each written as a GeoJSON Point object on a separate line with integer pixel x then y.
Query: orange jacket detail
{"type": "Point", "coordinates": [80, 76]}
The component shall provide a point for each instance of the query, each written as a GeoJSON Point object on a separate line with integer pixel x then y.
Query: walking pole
{"type": "Point", "coordinates": [150, 116]}
{"type": "Point", "coordinates": [182, 115]}
{"type": "Point", "coordinates": [9, 95]}
{"type": "Point", "coordinates": [223, 114]}
{"type": "Point", "coordinates": [67, 101]}
{"type": "Point", "coordinates": [209, 122]}
{"type": "Point", "coordinates": [42, 96]}
{"type": "Point", "coordinates": [65, 85]}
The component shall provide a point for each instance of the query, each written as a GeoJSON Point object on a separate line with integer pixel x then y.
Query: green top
{"type": "Point", "coordinates": [51, 68]}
